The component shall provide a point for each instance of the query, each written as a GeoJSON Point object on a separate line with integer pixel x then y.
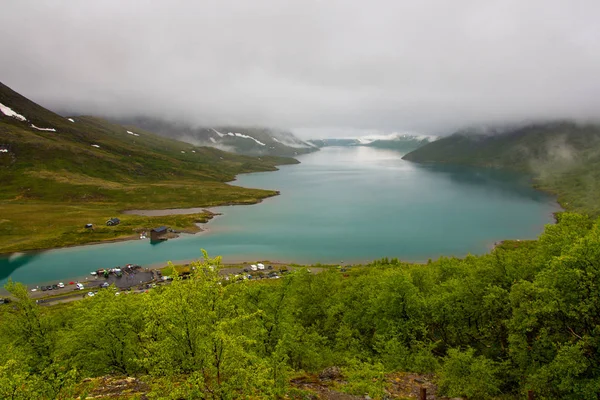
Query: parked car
{"type": "Point", "coordinates": [91, 294]}
{"type": "Point", "coordinates": [61, 285]}
{"type": "Point", "coordinates": [4, 301]}
{"type": "Point", "coordinates": [79, 286]}
{"type": "Point", "coordinates": [105, 285]}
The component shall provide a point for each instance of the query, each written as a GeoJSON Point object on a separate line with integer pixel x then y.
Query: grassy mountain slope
{"type": "Point", "coordinates": [256, 141]}
{"type": "Point", "coordinates": [563, 157]}
{"type": "Point", "coordinates": [90, 169]}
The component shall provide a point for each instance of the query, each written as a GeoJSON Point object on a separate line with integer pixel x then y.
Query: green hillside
{"type": "Point", "coordinates": [54, 182]}
{"type": "Point", "coordinates": [563, 158]}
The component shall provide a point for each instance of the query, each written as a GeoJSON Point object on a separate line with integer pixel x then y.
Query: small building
{"type": "Point", "coordinates": [113, 221]}
{"type": "Point", "coordinates": [159, 233]}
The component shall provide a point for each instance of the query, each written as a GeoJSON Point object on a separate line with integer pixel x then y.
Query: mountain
{"type": "Point", "coordinates": [255, 141]}
{"type": "Point", "coordinates": [334, 142]}
{"type": "Point", "coordinates": [60, 173]}
{"type": "Point", "coordinates": [563, 157]}
{"type": "Point", "coordinates": [394, 141]}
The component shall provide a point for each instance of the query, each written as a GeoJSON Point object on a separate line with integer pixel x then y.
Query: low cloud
{"type": "Point", "coordinates": [348, 66]}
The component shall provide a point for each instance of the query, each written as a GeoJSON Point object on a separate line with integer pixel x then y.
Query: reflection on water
{"type": "Point", "coordinates": [354, 204]}
{"type": "Point", "coordinates": [10, 264]}
{"type": "Point", "coordinates": [500, 182]}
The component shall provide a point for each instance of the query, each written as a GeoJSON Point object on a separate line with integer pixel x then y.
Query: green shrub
{"type": "Point", "coordinates": [464, 374]}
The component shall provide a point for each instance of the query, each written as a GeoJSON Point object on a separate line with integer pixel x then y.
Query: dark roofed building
{"type": "Point", "coordinates": [113, 221]}
{"type": "Point", "coordinates": [158, 233]}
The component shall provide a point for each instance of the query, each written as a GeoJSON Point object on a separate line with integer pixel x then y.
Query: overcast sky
{"type": "Point", "coordinates": [318, 67]}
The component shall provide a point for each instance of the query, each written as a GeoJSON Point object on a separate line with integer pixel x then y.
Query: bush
{"type": "Point", "coordinates": [364, 378]}
{"type": "Point", "coordinates": [465, 375]}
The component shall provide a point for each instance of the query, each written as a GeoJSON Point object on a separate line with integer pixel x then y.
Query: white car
{"type": "Point", "coordinates": [254, 267]}
{"type": "Point", "coordinates": [260, 266]}
{"type": "Point", "coordinates": [79, 286]}
{"type": "Point", "coordinates": [61, 285]}
{"type": "Point", "coordinates": [91, 294]}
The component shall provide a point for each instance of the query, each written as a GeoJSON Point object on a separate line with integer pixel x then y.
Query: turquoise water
{"type": "Point", "coordinates": [349, 203]}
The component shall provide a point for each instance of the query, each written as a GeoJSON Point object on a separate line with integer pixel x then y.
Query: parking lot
{"type": "Point", "coordinates": [128, 278]}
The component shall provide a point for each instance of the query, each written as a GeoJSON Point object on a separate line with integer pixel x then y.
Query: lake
{"type": "Point", "coordinates": [351, 204]}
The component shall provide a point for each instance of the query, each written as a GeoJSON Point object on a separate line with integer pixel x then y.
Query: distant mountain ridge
{"type": "Point", "coordinates": [255, 141]}
{"type": "Point", "coordinates": [393, 141]}
{"type": "Point", "coordinates": [563, 157]}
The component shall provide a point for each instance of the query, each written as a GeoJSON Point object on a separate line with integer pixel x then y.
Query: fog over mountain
{"type": "Point", "coordinates": [322, 69]}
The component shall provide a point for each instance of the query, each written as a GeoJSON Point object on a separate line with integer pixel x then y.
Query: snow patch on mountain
{"type": "Point", "coordinates": [133, 133]}
{"type": "Point", "coordinates": [43, 129]}
{"type": "Point", "coordinates": [10, 113]}
{"type": "Point", "coordinates": [71, 119]}
{"type": "Point", "coordinates": [217, 132]}
{"type": "Point", "coordinates": [289, 140]}
{"type": "Point", "coordinates": [248, 137]}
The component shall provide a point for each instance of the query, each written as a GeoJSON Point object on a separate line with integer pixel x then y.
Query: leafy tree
{"type": "Point", "coordinates": [33, 351]}
{"type": "Point", "coordinates": [465, 374]}
{"type": "Point", "coordinates": [106, 333]}
{"type": "Point", "coordinates": [194, 327]}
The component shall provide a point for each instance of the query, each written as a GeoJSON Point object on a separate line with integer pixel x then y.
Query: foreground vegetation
{"type": "Point", "coordinates": [524, 317]}
{"type": "Point", "coordinates": [55, 182]}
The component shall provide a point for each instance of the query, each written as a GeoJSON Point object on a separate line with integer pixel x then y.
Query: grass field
{"type": "Point", "coordinates": [30, 225]}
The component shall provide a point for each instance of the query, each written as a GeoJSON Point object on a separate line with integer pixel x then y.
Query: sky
{"type": "Point", "coordinates": [321, 68]}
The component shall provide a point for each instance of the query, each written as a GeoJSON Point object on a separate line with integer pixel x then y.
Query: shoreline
{"type": "Point", "coordinates": [126, 238]}
{"type": "Point", "coordinates": [92, 282]}
{"type": "Point", "coordinates": [203, 227]}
